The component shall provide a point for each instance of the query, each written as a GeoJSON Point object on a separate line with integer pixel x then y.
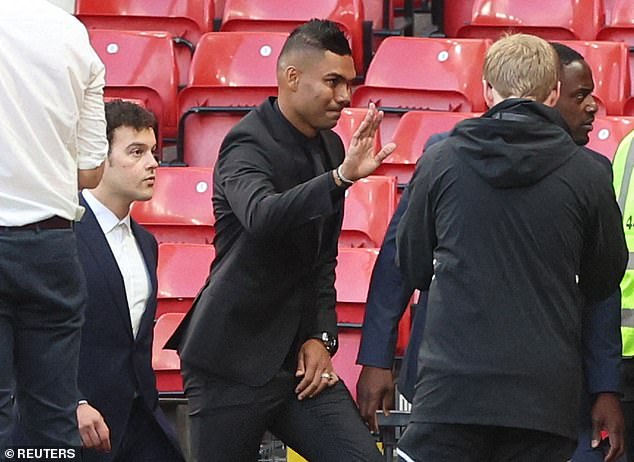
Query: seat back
{"type": "Point", "coordinates": [353, 273]}
{"type": "Point", "coordinates": [610, 71]}
{"type": "Point", "coordinates": [141, 66]}
{"type": "Point", "coordinates": [279, 16]}
{"type": "Point", "coordinates": [369, 206]}
{"type": "Point", "coordinates": [446, 75]}
{"type": "Point", "coordinates": [608, 133]}
{"type": "Point", "coordinates": [183, 19]}
{"type": "Point", "coordinates": [560, 20]}
{"type": "Point", "coordinates": [231, 73]}
{"type": "Point", "coordinates": [344, 363]}
{"type": "Point", "coordinates": [619, 27]}
{"type": "Point", "coordinates": [182, 270]}
{"type": "Point", "coordinates": [181, 209]}
{"type": "Point", "coordinates": [166, 363]}
{"type": "Point", "coordinates": [348, 123]}
{"type": "Point", "coordinates": [411, 135]}
{"type": "Point", "coordinates": [619, 24]}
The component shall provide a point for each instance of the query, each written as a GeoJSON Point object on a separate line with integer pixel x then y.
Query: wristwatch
{"type": "Point", "coordinates": [329, 341]}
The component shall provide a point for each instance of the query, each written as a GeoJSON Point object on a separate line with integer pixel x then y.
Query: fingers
{"type": "Point", "coordinates": [367, 408]}
{"type": "Point", "coordinates": [96, 436]}
{"type": "Point", "coordinates": [385, 152]}
{"type": "Point", "coordinates": [596, 433]}
{"type": "Point", "coordinates": [368, 126]}
{"type": "Point", "coordinates": [617, 446]}
{"type": "Point", "coordinates": [301, 370]}
{"type": "Point", "coordinates": [311, 386]}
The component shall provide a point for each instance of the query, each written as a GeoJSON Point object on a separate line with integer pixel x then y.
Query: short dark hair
{"type": "Point", "coordinates": [566, 54]}
{"type": "Point", "coordinates": [120, 113]}
{"type": "Point", "coordinates": [318, 34]}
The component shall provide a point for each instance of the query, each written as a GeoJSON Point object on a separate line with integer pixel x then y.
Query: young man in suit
{"type": "Point", "coordinates": [388, 298]}
{"type": "Point", "coordinates": [257, 343]}
{"type": "Point", "coordinates": [118, 413]}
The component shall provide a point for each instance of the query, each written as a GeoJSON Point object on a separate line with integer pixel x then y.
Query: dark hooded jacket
{"type": "Point", "coordinates": [510, 226]}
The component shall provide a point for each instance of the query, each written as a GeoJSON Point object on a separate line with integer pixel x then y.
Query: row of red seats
{"type": "Point", "coordinates": [561, 20]}
{"type": "Point", "coordinates": [181, 210]}
{"type": "Point", "coordinates": [188, 20]}
{"type": "Point", "coordinates": [233, 72]}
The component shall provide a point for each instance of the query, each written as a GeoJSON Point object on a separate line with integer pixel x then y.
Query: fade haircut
{"type": "Point", "coordinates": [566, 54]}
{"type": "Point", "coordinates": [523, 66]}
{"type": "Point", "coordinates": [121, 113]}
{"type": "Point", "coordinates": [316, 35]}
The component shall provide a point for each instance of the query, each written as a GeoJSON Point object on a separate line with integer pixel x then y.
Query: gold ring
{"type": "Point", "coordinates": [326, 375]}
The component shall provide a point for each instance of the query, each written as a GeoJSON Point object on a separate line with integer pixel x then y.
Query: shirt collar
{"type": "Point", "coordinates": [106, 219]}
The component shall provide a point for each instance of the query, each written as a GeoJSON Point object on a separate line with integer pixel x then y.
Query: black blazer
{"type": "Point", "coordinates": [272, 282]}
{"type": "Point", "coordinates": [113, 365]}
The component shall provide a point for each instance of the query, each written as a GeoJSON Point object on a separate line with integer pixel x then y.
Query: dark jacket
{"type": "Point", "coordinates": [113, 364]}
{"type": "Point", "coordinates": [277, 224]}
{"type": "Point", "coordinates": [510, 226]}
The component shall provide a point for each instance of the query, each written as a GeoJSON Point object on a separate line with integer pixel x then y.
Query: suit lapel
{"type": "Point", "coordinates": [89, 231]}
{"type": "Point", "coordinates": [149, 257]}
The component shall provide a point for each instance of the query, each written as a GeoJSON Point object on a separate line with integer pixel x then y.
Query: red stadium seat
{"type": "Point", "coordinates": [182, 271]}
{"type": "Point", "coordinates": [185, 20]}
{"type": "Point", "coordinates": [619, 26]}
{"type": "Point", "coordinates": [608, 133]}
{"type": "Point", "coordinates": [353, 273]}
{"type": "Point", "coordinates": [280, 16]}
{"type": "Point", "coordinates": [610, 70]}
{"type": "Point", "coordinates": [181, 209]}
{"type": "Point", "coordinates": [619, 22]}
{"type": "Point", "coordinates": [558, 20]}
{"type": "Point", "coordinates": [344, 362]}
{"type": "Point", "coordinates": [141, 66]}
{"type": "Point", "coordinates": [231, 73]}
{"type": "Point", "coordinates": [446, 75]}
{"type": "Point", "coordinates": [369, 206]}
{"type": "Point", "coordinates": [348, 123]}
{"type": "Point", "coordinates": [166, 363]}
{"type": "Point", "coordinates": [410, 136]}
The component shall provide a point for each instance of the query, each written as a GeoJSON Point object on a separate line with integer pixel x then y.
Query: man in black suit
{"type": "Point", "coordinates": [257, 344]}
{"type": "Point", "coordinates": [118, 413]}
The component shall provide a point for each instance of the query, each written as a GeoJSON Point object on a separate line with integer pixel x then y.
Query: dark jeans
{"type": "Point", "coordinates": [228, 420]}
{"type": "Point", "coordinates": [436, 442]}
{"type": "Point", "coordinates": [42, 297]}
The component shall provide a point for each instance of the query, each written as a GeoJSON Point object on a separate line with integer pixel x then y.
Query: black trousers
{"type": "Point", "coordinates": [437, 442]}
{"type": "Point", "coordinates": [229, 419]}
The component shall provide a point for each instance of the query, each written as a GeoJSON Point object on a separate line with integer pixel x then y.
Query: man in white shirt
{"type": "Point", "coordinates": [52, 139]}
{"type": "Point", "coordinates": [118, 413]}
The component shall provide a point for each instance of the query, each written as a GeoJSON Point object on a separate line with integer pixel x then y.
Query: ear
{"type": "Point", "coordinates": [553, 96]}
{"type": "Point", "coordinates": [487, 92]}
{"type": "Point", "coordinates": [291, 75]}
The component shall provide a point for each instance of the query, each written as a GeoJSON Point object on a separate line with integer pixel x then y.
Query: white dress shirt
{"type": "Point", "coordinates": [128, 255]}
{"type": "Point", "coordinates": [52, 118]}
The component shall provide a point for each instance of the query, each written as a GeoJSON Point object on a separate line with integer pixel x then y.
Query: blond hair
{"type": "Point", "coordinates": [522, 65]}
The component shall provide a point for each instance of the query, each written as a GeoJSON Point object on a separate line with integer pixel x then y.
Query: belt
{"type": "Point", "coordinates": [50, 223]}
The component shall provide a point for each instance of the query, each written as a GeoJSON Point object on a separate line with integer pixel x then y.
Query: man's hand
{"type": "Point", "coordinates": [361, 160]}
{"type": "Point", "coordinates": [607, 415]}
{"type": "Point", "coordinates": [92, 428]}
{"type": "Point", "coordinates": [375, 389]}
{"type": "Point", "coordinates": [315, 368]}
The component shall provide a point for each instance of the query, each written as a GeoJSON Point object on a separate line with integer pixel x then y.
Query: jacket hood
{"type": "Point", "coordinates": [514, 144]}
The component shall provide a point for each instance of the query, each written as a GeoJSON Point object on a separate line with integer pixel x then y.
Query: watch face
{"type": "Point", "coordinates": [329, 342]}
